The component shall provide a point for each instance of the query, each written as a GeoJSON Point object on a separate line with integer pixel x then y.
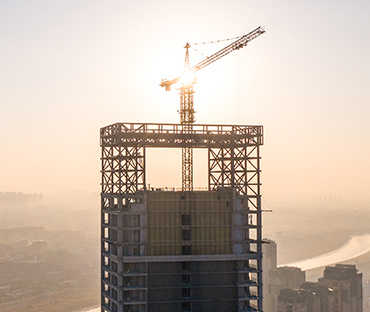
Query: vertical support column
{"type": "Point", "coordinates": [123, 174]}
{"type": "Point", "coordinates": [259, 231]}
{"type": "Point", "coordinates": [239, 167]}
{"type": "Point", "coordinates": [106, 169]}
{"type": "Point", "coordinates": [253, 196]}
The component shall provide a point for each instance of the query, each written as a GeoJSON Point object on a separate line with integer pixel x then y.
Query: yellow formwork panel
{"type": "Point", "coordinates": [209, 230]}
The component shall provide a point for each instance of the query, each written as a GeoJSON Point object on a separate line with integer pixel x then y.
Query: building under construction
{"type": "Point", "coordinates": [181, 250]}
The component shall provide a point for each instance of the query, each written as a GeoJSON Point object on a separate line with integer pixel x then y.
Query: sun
{"type": "Point", "coordinates": [187, 78]}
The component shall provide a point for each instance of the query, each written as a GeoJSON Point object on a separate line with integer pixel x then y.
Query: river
{"type": "Point", "coordinates": [356, 246]}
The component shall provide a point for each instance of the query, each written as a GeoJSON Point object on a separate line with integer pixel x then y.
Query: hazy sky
{"type": "Point", "coordinates": [71, 67]}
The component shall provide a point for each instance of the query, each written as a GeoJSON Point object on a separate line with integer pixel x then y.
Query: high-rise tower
{"type": "Point", "coordinates": [169, 250]}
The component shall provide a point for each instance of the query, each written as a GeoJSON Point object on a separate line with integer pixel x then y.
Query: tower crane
{"type": "Point", "coordinates": [187, 97]}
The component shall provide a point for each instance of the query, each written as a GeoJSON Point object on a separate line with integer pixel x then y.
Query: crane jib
{"type": "Point", "coordinates": [236, 45]}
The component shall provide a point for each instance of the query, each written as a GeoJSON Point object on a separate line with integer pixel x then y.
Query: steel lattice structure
{"type": "Point", "coordinates": [233, 161]}
{"type": "Point", "coordinates": [187, 120]}
{"type": "Point", "coordinates": [233, 154]}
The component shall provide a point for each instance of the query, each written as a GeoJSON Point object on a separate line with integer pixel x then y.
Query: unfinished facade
{"type": "Point", "coordinates": [169, 250]}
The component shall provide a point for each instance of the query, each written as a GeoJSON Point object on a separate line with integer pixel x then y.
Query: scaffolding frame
{"type": "Point", "coordinates": [233, 161]}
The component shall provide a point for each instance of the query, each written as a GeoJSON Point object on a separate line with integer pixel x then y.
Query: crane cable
{"type": "Point", "coordinates": [199, 52]}
{"type": "Point", "coordinates": [237, 89]}
{"type": "Point", "coordinates": [237, 85]}
{"type": "Point", "coordinates": [208, 42]}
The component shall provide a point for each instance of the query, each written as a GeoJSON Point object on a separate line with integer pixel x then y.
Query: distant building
{"type": "Point", "coordinates": [9, 199]}
{"type": "Point", "coordinates": [298, 300]}
{"type": "Point", "coordinates": [37, 247]}
{"type": "Point", "coordinates": [346, 283]}
{"type": "Point", "coordinates": [269, 252]}
{"type": "Point", "coordinates": [281, 278]}
{"type": "Point", "coordinates": [340, 290]}
{"type": "Point", "coordinates": [324, 293]}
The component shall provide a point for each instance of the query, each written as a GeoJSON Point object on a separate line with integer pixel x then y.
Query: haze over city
{"type": "Point", "coordinates": [69, 68]}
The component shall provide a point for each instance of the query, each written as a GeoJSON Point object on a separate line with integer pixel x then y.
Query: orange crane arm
{"type": "Point", "coordinates": [236, 45]}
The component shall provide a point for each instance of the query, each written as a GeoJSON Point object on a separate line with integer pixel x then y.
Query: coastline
{"type": "Point", "coordinates": [356, 246]}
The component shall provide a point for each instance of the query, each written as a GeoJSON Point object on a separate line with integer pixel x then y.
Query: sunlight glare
{"type": "Point", "coordinates": [187, 78]}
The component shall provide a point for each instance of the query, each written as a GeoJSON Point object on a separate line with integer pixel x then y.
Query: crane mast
{"type": "Point", "coordinates": [187, 99]}
{"type": "Point", "coordinates": [187, 120]}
